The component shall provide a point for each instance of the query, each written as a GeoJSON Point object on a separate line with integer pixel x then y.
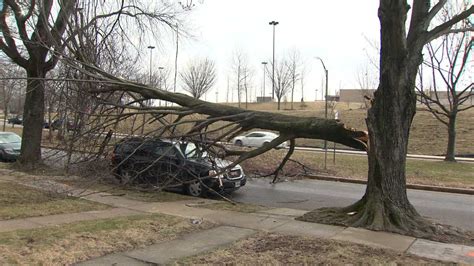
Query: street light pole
{"type": "Point", "coordinates": [273, 23]}
{"type": "Point", "coordinates": [325, 108]}
{"type": "Point", "coordinates": [151, 60]}
{"type": "Point", "coordinates": [160, 82]}
{"type": "Point", "coordinates": [263, 91]}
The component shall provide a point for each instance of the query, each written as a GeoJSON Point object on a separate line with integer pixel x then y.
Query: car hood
{"type": "Point", "coordinates": [221, 163]}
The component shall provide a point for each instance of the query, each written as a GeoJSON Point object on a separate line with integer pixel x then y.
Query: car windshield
{"type": "Point", "coordinates": [9, 138]}
{"type": "Point", "coordinates": [192, 151]}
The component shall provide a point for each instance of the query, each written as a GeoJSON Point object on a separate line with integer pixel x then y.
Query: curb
{"type": "Point", "coordinates": [466, 191]}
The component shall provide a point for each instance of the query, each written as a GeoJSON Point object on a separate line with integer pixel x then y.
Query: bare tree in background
{"type": "Point", "coordinates": [283, 79]}
{"type": "Point", "coordinates": [451, 82]}
{"type": "Point", "coordinates": [10, 93]}
{"type": "Point", "coordinates": [294, 65]}
{"type": "Point", "coordinates": [247, 78]}
{"type": "Point", "coordinates": [240, 68]}
{"type": "Point", "coordinates": [304, 71]}
{"type": "Point", "coordinates": [367, 82]}
{"type": "Point", "coordinates": [199, 77]}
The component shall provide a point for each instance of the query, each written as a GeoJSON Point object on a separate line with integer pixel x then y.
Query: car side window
{"type": "Point", "coordinates": [255, 135]}
{"type": "Point", "coordinates": [166, 149]}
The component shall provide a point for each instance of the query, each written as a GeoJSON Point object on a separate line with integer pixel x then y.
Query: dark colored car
{"type": "Point", "coordinates": [17, 120]}
{"type": "Point", "coordinates": [166, 163]}
{"type": "Point", "coordinates": [10, 146]}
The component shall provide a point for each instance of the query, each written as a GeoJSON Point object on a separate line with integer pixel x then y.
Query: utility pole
{"type": "Point", "coordinates": [263, 91]}
{"type": "Point", "coordinates": [273, 23]}
{"type": "Point", "coordinates": [176, 59]}
{"type": "Point", "coordinates": [325, 109]}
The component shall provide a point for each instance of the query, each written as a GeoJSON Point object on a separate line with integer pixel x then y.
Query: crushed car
{"type": "Point", "coordinates": [169, 163]}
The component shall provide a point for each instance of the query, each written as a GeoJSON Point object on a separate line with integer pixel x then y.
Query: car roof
{"type": "Point", "coordinates": [263, 132]}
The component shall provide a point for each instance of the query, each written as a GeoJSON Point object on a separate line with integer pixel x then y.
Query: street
{"type": "Point", "coordinates": [448, 208]}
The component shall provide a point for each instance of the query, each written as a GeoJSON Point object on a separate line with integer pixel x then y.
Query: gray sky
{"type": "Point", "coordinates": [336, 31]}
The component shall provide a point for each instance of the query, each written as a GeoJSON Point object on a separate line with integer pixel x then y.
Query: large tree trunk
{"type": "Point", "coordinates": [33, 117]}
{"type": "Point", "coordinates": [385, 205]}
{"type": "Point", "coordinates": [451, 149]}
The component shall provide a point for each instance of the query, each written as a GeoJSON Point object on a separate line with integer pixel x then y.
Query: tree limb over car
{"type": "Point", "coordinates": [287, 125]}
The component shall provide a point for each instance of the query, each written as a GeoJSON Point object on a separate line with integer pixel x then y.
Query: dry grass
{"type": "Point", "coordinates": [76, 242]}
{"type": "Point", "coordinates": [437, 173]}
{"type": "Point", "coordinates": [274, 249]}
{"type": "Point", "coordinates": [17, 201]}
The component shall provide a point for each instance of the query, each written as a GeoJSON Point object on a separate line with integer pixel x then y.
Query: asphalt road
{"type": "Point", "coordinates": [447, 208]}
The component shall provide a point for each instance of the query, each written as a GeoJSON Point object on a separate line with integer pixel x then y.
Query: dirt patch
{"type": "Point", "coordinates": [275, 249]}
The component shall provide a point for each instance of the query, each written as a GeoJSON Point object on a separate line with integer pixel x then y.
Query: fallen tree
{"type": "Point", "coordinates": [385, 205]}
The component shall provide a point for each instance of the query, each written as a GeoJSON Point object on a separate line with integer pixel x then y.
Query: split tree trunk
{"type": "Point", "coordinates": [385, 205]}
{"type": "Point", "coordinates": [33, 116]}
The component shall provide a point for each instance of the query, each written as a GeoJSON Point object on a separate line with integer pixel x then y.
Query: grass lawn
{"type": "Point", "coordinates": [71, 243]}
{"type": "Point", "coordinates": [438, 173]}
{"type": "Point", "coordinates": [17, 201]}
{"type": "Point", "coordinates": [275, 249]}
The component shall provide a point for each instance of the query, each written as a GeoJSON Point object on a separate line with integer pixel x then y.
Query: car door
{"type": "Point", "coordinates": [254, 139]}
{"type": "Point", "coordinates": [166, 165]}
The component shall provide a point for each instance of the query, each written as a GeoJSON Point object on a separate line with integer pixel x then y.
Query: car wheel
{"type": "Point", "coordinates": [239, 143]}
{"type": "Point", "coordinates": [195, 188]}
{"type": "Point", "coordinates": [127, 175]}
{"type": "Point", "coordinates": [265, 143]}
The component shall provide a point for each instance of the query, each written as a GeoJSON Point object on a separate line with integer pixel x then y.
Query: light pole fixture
{"type": "Point", "coordinates": [151, 60]}
{"type": "Point", "coordinates": [263, 91]}
{"type": "Point", "coordinates": [325, 107]}
{"type": "Point", "coordinates": [273, 23]}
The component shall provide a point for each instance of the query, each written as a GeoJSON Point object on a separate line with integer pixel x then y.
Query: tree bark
{"type": "Point", "coordinates": [386, 205]}
{"type": "Point", "coordinates": [33, 116]}
{"type": "Point", "coordinates": [451, 149]}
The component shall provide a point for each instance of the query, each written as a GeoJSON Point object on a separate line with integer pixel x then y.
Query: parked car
{"type": "Point", "coordinates": [174, 164]}
{"type": "Point", "coordinates": [257, 139]}
{"type": "Point", "coordinates": [10, 146]}
{"type": "Point", "coordinates": [17, 120]}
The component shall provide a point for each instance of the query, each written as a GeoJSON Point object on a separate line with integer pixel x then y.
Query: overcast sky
{"type": "Point", "coordinates": [336, 31]}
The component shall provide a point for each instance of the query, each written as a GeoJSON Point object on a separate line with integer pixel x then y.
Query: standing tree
{"type": "Point", "coordinates": [449, 61]}
{"type": "Point", "coordinates": [32, 37]}
{"type": "Point", "coordinates": [199, 77]}
{"type": "Point", "coordinates": [283, 79]}
{"type": "Point", "coordinates": [39, 27]}
{"type": "Point", "coordinates": [239, 66]}
{"type": "Point", "coordinates": [10, 93]}
{"type": "Point", "coordinates": [294, 61]}
{"type": "Point", "coordinates": [385, 205]}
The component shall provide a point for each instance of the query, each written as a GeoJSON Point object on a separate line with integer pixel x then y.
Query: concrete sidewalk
{"type": "Point", "coordinates": [232, 226]}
